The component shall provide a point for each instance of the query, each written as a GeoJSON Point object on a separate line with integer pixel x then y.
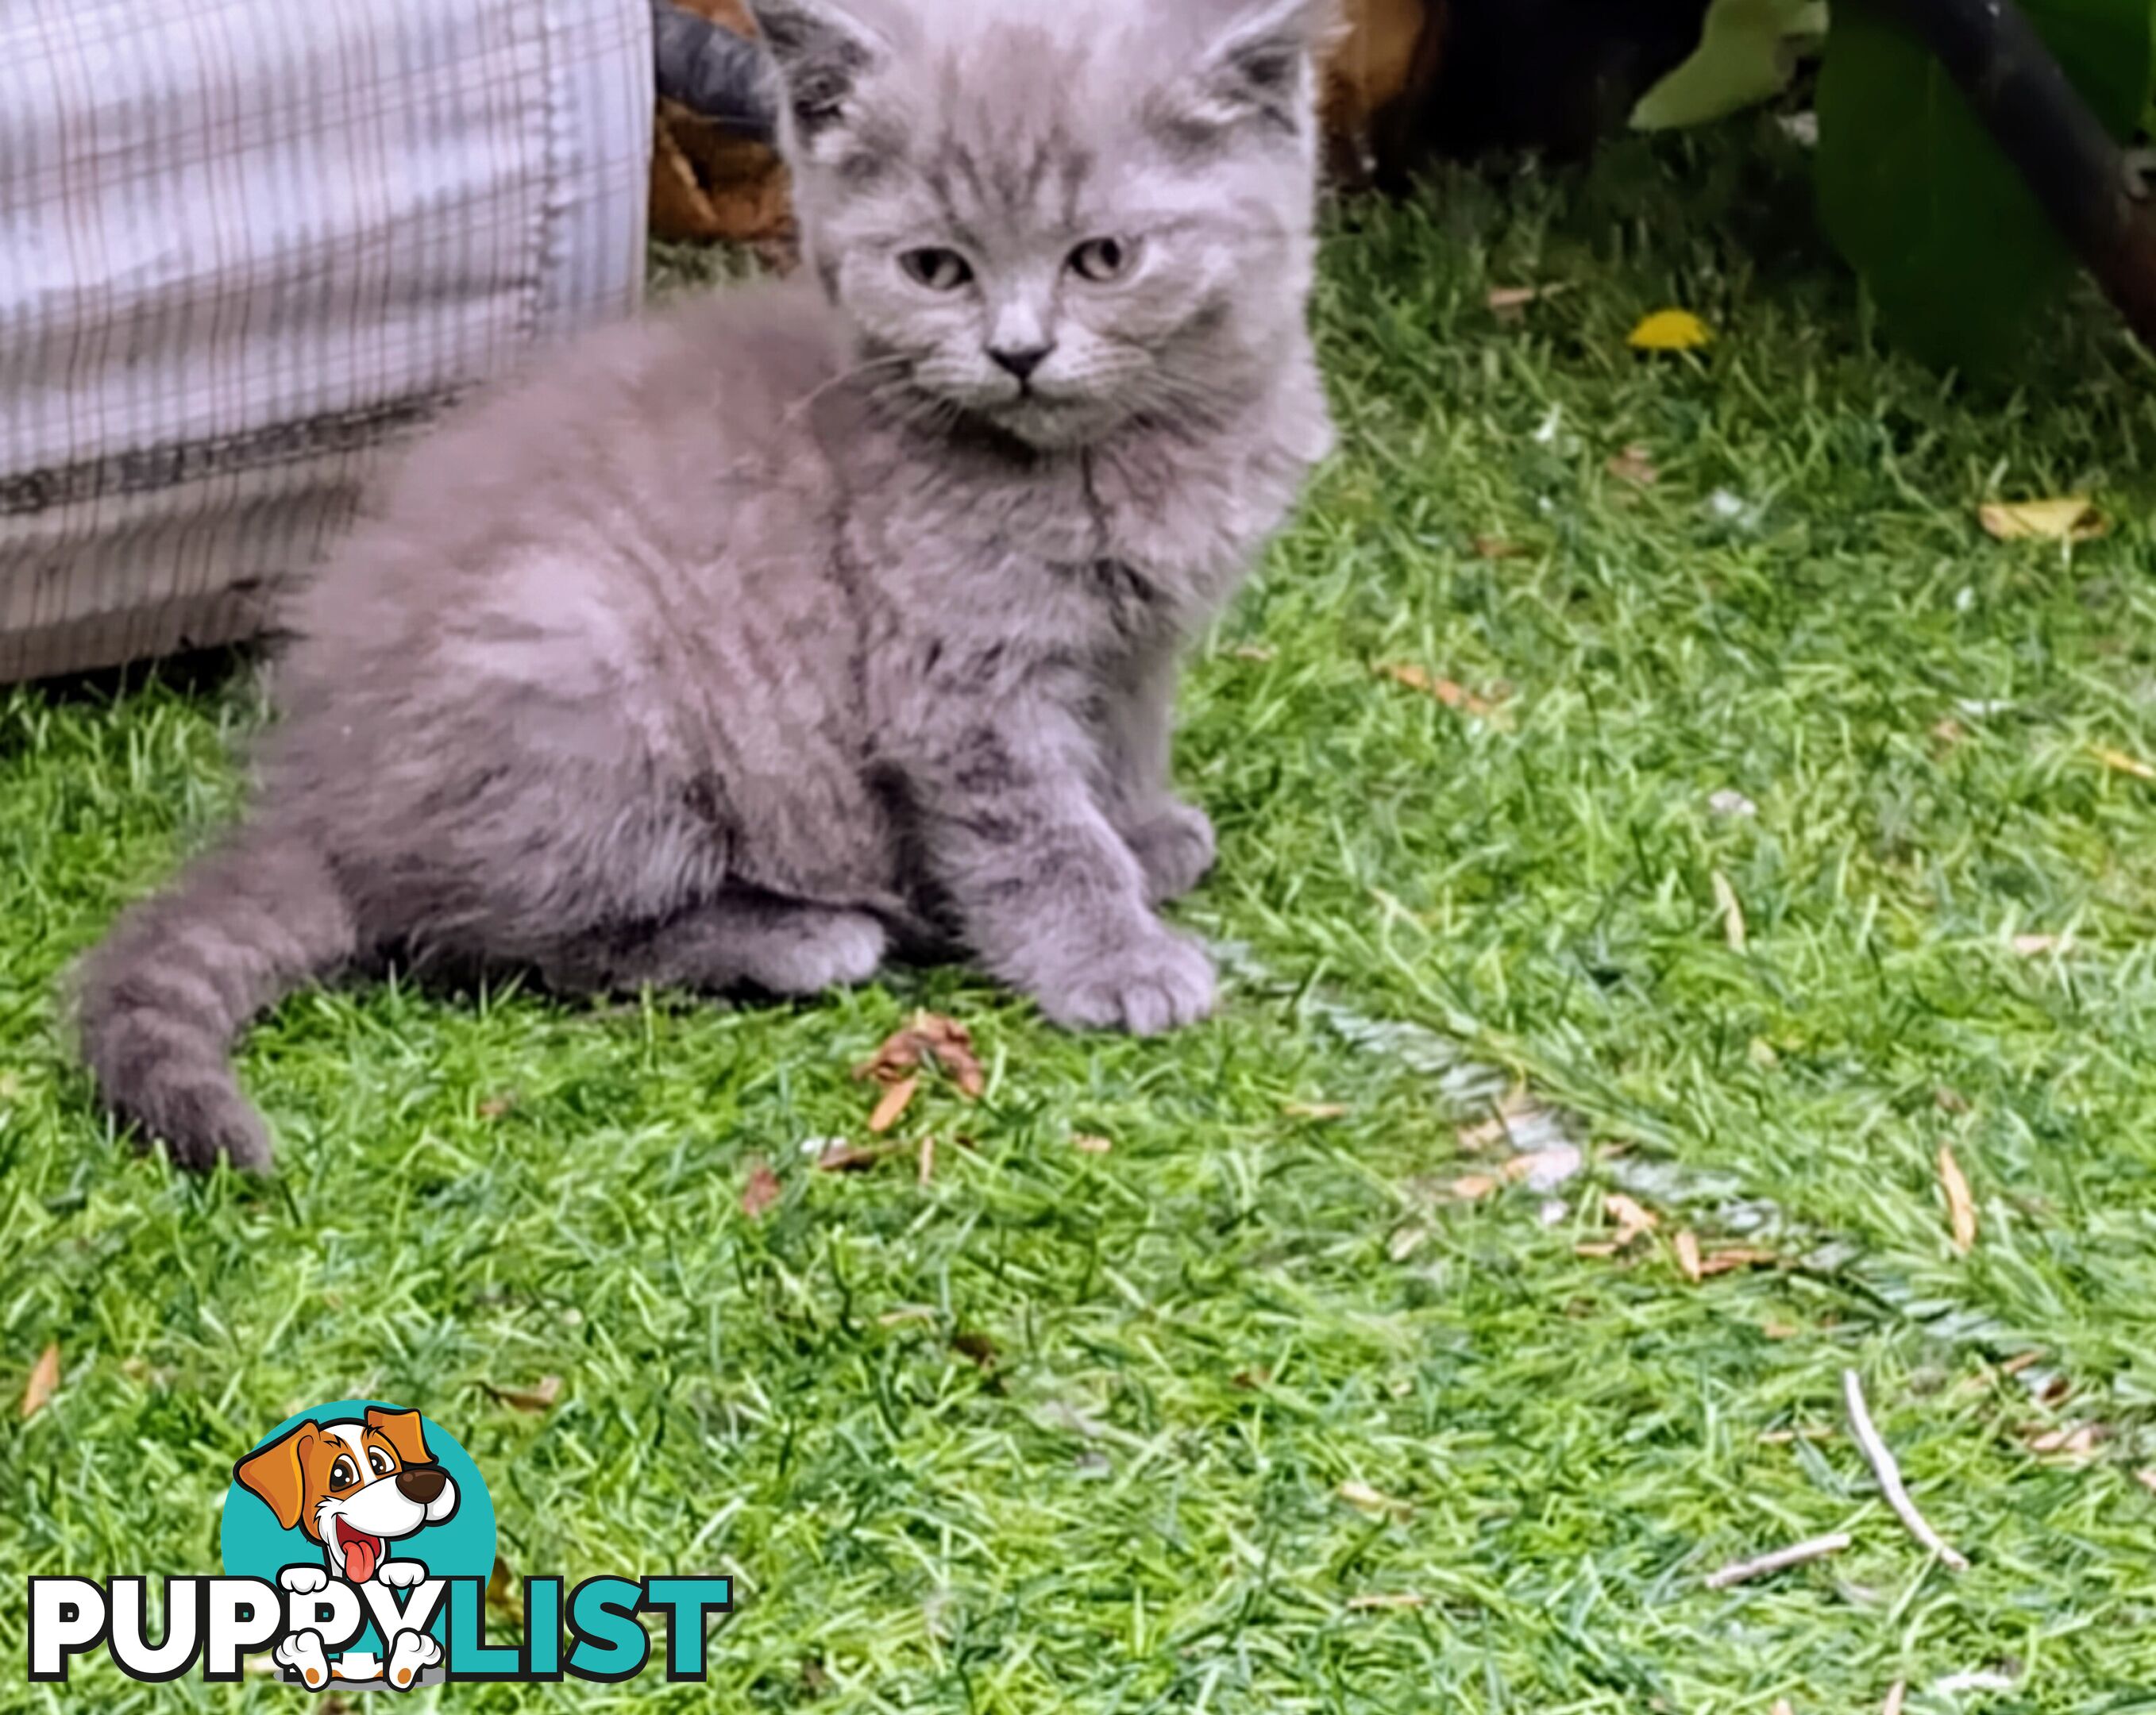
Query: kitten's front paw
{"type": "Point", "coordinates": [1175, 849]}
{"type": "Point", "coordinates": [1158, 984]}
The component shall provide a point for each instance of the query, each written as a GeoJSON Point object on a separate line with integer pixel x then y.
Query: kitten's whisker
{"type": "Point", "coordinates": [843, 377]}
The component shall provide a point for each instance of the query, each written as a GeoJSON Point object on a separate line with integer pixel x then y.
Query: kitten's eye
{"type": "Point", "coordinates": [1103, 259]}
{"type": "Point", "coordinates": [939, 270]}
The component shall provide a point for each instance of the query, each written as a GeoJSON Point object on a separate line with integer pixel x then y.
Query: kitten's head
{"type": "Point", "coordinates": [1054, 216]}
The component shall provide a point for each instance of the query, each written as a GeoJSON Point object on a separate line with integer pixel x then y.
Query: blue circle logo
{"type": "Point", "coordinates": [356, 1504]}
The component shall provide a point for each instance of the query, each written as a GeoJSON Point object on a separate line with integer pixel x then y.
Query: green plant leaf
{"type": "Point", "coordinates": [1746, 55]}
{"type": "Point", "coordinates": [1952, 244]}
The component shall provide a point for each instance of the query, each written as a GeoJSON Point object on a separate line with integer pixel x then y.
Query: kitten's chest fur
{"type": "Point", "coordinates": [1086, 556]}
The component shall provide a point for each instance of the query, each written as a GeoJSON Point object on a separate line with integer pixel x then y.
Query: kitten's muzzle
{"type": "Point", "coordinates": [1021, 360]}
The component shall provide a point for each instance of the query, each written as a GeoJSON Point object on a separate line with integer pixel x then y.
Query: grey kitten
{"type": "Point", "coordinates": [738, 649]}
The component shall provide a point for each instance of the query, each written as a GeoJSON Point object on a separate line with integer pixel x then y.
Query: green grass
{"type": "Point", "coordinates": [1199, 1336]}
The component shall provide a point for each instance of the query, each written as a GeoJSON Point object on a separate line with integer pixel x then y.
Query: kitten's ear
{"type": "Point", "coordinates": [1261, 62]}
{"type": "Point", "coordinates": [821, 47]}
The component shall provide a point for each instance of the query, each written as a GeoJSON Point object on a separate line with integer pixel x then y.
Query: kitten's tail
{"type": "Point", "coordinates": [161, 1000]}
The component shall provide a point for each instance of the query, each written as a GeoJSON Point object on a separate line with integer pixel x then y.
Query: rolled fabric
{"type": "Point", "coordinates": [245, 247]}
{"type": "Point", "coordinates": [716, 72]}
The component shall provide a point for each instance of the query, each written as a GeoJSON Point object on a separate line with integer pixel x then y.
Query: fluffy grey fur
{"type": "Point", "coordinates": [735, 650]}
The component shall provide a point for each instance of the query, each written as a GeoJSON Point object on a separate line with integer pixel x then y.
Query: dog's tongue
{"type": "Point", "coordinates": [360, 1553]}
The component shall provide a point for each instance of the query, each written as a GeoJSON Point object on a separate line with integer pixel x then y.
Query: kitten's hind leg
{"type": "Point", "coordinates": [739, 940]}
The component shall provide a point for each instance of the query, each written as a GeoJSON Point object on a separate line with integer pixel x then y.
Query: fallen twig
{"type": "Point", "coordinates": [1881, 1458]}
{"type": "Point", "coordinates": [1796, 1554]}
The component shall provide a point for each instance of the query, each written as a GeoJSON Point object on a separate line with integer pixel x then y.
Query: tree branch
{"type": "Point", "coordinates": [2060, 148]}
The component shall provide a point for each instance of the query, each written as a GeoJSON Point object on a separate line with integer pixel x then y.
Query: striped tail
{"type": "Point", "coordinates": [182, 973]}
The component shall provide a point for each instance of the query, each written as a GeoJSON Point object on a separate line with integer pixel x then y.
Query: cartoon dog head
{"type": "Point", "coordinates": [353, 1487]}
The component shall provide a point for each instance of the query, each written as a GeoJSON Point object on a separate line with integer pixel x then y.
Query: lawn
{"type": "Point", "coordinates": [1758, 829]}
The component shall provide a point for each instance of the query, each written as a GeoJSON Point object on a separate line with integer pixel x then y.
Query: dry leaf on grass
{"type": "Point", "coordinates": [925, 1165]}
{"type": "Point", "coordinates": [44, 1376]}
{"type": "Point", "coordinates": [928, 1038]}
{"type": "Point", "coordinates": [495, 1107]}
{"type": "Point", "coordinates": [1895, 1694]}
{"type": "Point", "coordinates": [1254, 652]}
{"type": "Point", "coordinates": [2078, 1443]}
{"type": "Point", "coordinates": [1498, 547]}
{"type": "Point", "coordinates": [1782, 1707]}
{"type": "Point", "coordinates": [2066, 518]}
{"type": "Point", "coordinates": [760, 1192]}
{"type": "Point", "coordinates": [2147, 1478]}
{"type": "Point", "coordinates": [538, 1397]}
{"type": "Point", "coordinates": [501, 1590]}
{"type": "Point", "coordinates": [1315, 1110]}
{"type": "Point", "coordinates": [1961, 1207]}
{"type": "Point", "coordinates": [2036, 946]}
{"type": "Point", "coordinates": [840, 1157]}
{"type": "Point", "coordinates": [1730, 1258]}
{"type": "Point", "coordinates": [1396, 1599]}
{"type": "Point", "coordinates": [1406, 1242]}
{"type": "Point", "coordinates": [905, 1313]}
{"type": "Point", "coordinates": [1086, 1144]}
{"type": "Point", "coordinates": [1364, 1498]}
{"type": "Point", "coordinates": [891, 1105]}
{"type": "Point", "coordinates": [1634, 464]}
{"type": "Point", "coordinates": [977, 1347]}
{"type": "Point", "coordinates": [1510, 301]}
{"type": "Point", "coordinates": [1632, 1217]}
{"type": "Point", "coordinates": [1669, 330]}
{"type": "Point", "coordinates": [1686, 1246]}
{"type": "Point", "coordinates": [2119, 763]}
{"type": "Point", "coordinates": [1449, 692]}
{"type": "Point", "coordinates": [1949, 731]}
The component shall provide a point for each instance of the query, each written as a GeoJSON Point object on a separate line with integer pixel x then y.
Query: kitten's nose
{"type": "Point", "coordinates": [1020, 361]}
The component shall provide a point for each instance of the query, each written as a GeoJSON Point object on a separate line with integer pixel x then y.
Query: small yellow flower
{"type": "Point", "coordinates": [1670, 331]}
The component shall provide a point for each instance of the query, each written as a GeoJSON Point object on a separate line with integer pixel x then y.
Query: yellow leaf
{"type": "Point", "coordinates": [1961, 1207]}
{"type": "Point", "coordinates": [1688, 1257]}
{"type": "Point", "coordinates": [44, 1376]}
{"type": "Point", "coordinates": [2119, 763]}
{"type": "Point", "coordinates": [1669, 330]}
{"type": "Point", "coordinates": [1364, 1498]}
{"type": "Point", "coordinates": [1316, 1110]}
{"type": "Point", "coordinates": [1732, 912]}
{"type": "Point", "coordinates": [2067, 518]}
